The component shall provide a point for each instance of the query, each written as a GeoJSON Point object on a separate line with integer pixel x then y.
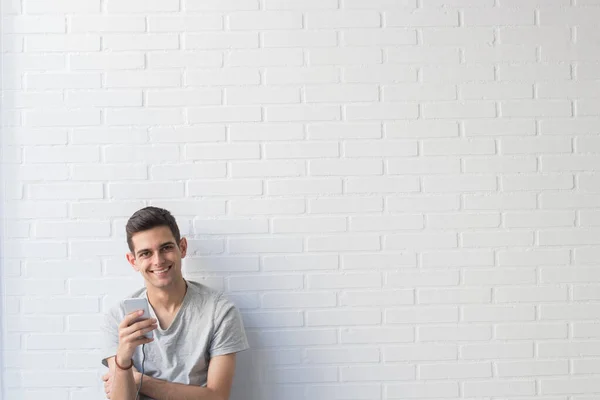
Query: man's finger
{"type": "Point", "coordinates": [129, 318]}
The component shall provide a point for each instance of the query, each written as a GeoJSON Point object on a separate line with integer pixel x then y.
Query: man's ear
{"type": "Point", "coordinates": [183, 247]}
{"type": "Point", "coordinates": [131, 259]}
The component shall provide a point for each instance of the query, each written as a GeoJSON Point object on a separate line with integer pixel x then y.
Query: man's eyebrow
{"type": "Point", "coordinates": [161, 246]}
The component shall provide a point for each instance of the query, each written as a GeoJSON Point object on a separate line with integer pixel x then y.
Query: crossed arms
{"type": "Point", "coordinates": [218, 387]}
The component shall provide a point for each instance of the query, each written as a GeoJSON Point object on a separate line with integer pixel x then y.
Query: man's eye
{"type": "Point", "coordinates": [168, 248]}
{"type": "Point", "coordinates": [144, 255]}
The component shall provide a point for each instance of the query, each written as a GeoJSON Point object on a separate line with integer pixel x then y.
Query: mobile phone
{"type": "Point", "coordinates": [132, 305]}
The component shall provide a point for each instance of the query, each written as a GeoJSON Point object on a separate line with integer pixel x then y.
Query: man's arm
{"type": "Point", "coordinates": [218, 387]}
{"type": "Point", "coordinates": [126, 389]}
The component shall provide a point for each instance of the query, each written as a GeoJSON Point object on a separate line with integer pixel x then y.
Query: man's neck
{"type": "Point", "coordinates": [168, 299]}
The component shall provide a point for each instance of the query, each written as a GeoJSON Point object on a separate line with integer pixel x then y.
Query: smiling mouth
{"type": "Point", "coordinates": [161, 272]}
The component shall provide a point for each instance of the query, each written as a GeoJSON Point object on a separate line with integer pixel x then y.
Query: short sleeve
{"type": "Point", "coordinates": [229, 335]}
{"type": "Point", "coordinates": [110, 335]}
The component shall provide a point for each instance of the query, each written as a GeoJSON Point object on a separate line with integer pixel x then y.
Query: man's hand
{"type": "Point", "coordinates": [109, 377]}
{"type": "Point", "coordinates": [131, 335]}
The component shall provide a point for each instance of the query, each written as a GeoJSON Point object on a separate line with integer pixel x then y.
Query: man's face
{"type": "Point", "coordinates": [157, 256]}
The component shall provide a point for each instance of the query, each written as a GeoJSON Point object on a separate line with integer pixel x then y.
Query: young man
{"type": "Point", "coordinates": [196, 331]}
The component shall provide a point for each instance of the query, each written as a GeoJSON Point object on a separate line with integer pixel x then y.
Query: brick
{"type": "Point", "coordinates": [505, 388]}
{"type": "Point", "coordinates": [383, 111]}
{"type": "Point", "coordinates": [355, 317]}
{"type": "Point", "coordinates": [378, 373]}
{"type": "Point", "coordinates": [264, 57]}
{"type": "Point", "coordinates": [387, 260]}
{"type": "Point", "coordinates": [221, 40]}
{"type": "Point", "coordinates": [300, 38]}
{"type": "Point", "coordinates": [433, 55]}
{"type": "Point", "coordinates": [220, 5]}
{"type": "Point", "coordinates": [496, 313]}
{"type": "Point", "coordinates": [270, 245]}
{"type": "Point", "coordinates": [345, 205]}
{"type": "Point", "coordinates": [344, 56]}
{"type": "Point", "coordinates": [222, 151]}
{"type": "Point", "coordinates": [261, 95]}
{"type": "Point", "coordinates": [459, 147]}
{"type": "Point", "coordinates": [62, 6]}
{"type": "Point", "coordinates": [188, 134]}
{"type": "Point", "coordinates": [142, 6]}
{"type": "Point", "coordinates": [168, 98]}
{"type": "Point", "coordinates": [421, 129]}
{"type": "Point", "coordinates": [422, 389]}
{"type": "Point", "coordinates": [106, 24]}
{"type": "Point", "coordinates": [422, 18]}
{"type": "Point", "coordinates": [33, 62]}
{"type": "Point", "coordinates": [532, 295]}
{"type": "Point", "coordinates": [33, 137]}
{"type": "Point", "coordinates": [422, 315]}
{"type": "Point", "coordinates": [344, 243]}
{"type": "Point", "coordinates": [306, 5]}
{"type": "Point", "coordinates": [104, 98]}
{"type": "Point", "coordinates": [257, 169]}
{"type": "Point", "coordinates": [309, 224]}
{"type": "Point", "coordinates": [569, 163]}
{"type": "Point", "coordinates": [224, 114]}
{"type": "Point", "coordinates": [463, 220]}
{"type": "Point", "coordinates": [342, 355]}
{"type": "Point", "coordinates": [137, 154]}
{"type": "Point", "coordinates": [537, 330]}
{"type": "Point", "coordinates": [57, 191]}
{"type": "Point", "coordinates": [346, 281]}
{"type": "Point", "coordinates": [534, 35]}
{"type": "Point", "coordinates": [137, 42]}
{"type": "Point", "coordinates": [341, 93]}
{"type": "Point", "coordinates": [369, 298]}
{"type": "Point", "coordinates": [273, 319]}
{"type": "Point", "coordinates": [62, 117]}
{"type": "Point", "coordinates": [423, 203]}
{"type": "Point", "coordinates": [145, 190]}
{"type": "Point", "coordinates": [301, 150]}
{"type": "Point", "coordinates": [266, 206]}
{"type": "Point", "coordinates": [500, 201]}
{"type": "Point", "coordinates": [31, 24]}
{"type": "Point", "coordinates": [500, 53]}
{"type": "Point", "coordinates": [378, 37]}
{"type": "Point", "coordinates": [419, 91]}
{"type": "Point", "coordinates": [499, 17]}
{"type": "Point", "coordinates": [185, 59]}
{"type": "Point", "coordinates": [455, 371]}
{"type": "Point", "coordinates": [72, 229]}
{"type": "Point", "coordinates": [445, 184]}
{"type": "Point", "coordinates": [186, 23]}
{"type": "Point", "coordinates": [492, 91]}
{"type": "Point", "coordinates": [288, 75]}
{"type": "Point", "coordinates": [106, 61]}
{"type": "Point", "coordinates": [500, 127]}
{"type": "Point", "coordinates": [298, 300]}
{"type": "Point", "coordinates": [264, 20]}
{"type": "Point", "coordinates": [494, 239]}
{"type": "Point", "coordinates": [539, 219]}
{"type": "Point", "coordinates": [422, 279]}
{"type": "Point", "coordinates": [373, 335]}
{"type": "Point", "coordinates": [500, 165]}
{"type": "Point", "coordinates": [379, 74]}
{"type": "Point", "coordinates": [145, 116]}
{"type": "Point", "coordinates": [305, 186]}
{"type": "Point", "coordinates": [343, 19]}
{"type": "Point", "coordinates": [454, 333]}
{"type": "Point", "coordinates": [63, 43]}
{"type": "Point", "coordinates": [453, 296]}
{"type": "Point", "coordinates": [300, 262]}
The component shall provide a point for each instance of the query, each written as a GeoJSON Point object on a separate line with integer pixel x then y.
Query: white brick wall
{"type": "Point", "coordinates": [401, 196]}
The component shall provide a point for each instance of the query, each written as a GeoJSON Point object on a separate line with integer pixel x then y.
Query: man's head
{"type": "Point", "coordinates": [156, 247]}
{"type": "Point", "coordinates": [148, 218]}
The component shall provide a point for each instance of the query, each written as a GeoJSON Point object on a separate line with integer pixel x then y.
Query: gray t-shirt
{"type": "Point", "coordinates": [206, 325]}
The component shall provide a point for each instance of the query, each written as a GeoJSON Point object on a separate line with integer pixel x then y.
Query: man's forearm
{"type": "Point", "coordinates": [164, 390]}
{"type": "Point", "coordinates": [123, 386]}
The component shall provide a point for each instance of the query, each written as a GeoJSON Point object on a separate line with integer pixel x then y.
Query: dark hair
{"type": "Point", "coordinates": [148, 218]}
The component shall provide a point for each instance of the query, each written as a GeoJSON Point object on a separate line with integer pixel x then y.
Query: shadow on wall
{"type": "Point", "coordinates": [258, 369]}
